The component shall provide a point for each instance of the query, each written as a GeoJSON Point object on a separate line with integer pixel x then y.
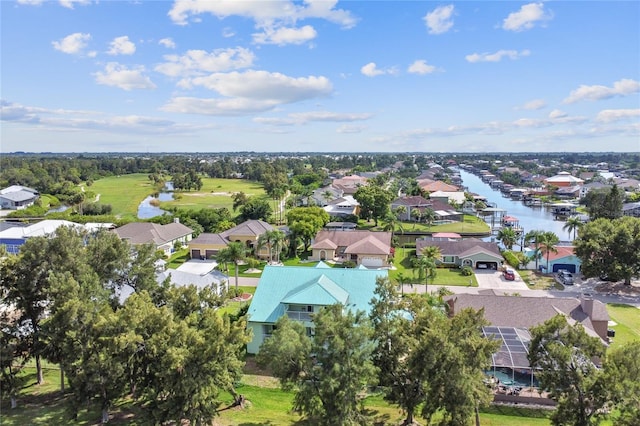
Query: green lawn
{"type": "Point", "coordinates": [627, 319]}
{"type": "Point", "coordinates": [215, 193]}
{"type": "Point", "coordinates": [124, 193]}
{"type": "Point", "coordinates": [444, 276]}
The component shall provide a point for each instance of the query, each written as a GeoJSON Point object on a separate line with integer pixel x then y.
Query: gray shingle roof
{"type": "Point", "coordinates": [144, 233]}
{"type": "Point", "coordinates": [464, 247]}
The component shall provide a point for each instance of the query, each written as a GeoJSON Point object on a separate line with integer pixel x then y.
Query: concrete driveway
{"type": "Point", "coordinates": [197, 266]}
{"type": "Point", "coordinates": [493, 279]}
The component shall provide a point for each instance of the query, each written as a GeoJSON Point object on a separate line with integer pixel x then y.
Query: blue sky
{"type": "Point", "coordinates": [328, 76]}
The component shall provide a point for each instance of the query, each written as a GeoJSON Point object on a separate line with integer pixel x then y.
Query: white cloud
{"type": "Point", "coordinates": [264, 13]}
{"type": "Point", "coordinates": [440, 20]}
{"type": "Point", "coordinates": [421, 67]}
{"type": "Point", "coordinates": [622, 87]}
{"type": "Point", "coordinates": [534, 105]}
{"type": "Point", "coordinates": [526, 18]}
{"type": "Point", "coordinates": [124, 78]}
{"type": "Point", "coordinates": [610, 115]}
{"type": "Point", "coordinates": [167, 42]}
{"type": "Point", "coordinates": [249, 92]}
{"type": "Point", "coordinates": [228, 32]}
{"type": "Point", "coordinates": [198, 62]}
{"type": "Point", "coordinates": [217, 106]}
{"type": "Point", "coordinates": [556, 113]}
{"type": "Point", "coordinates": [300, 118]}
{"type": "Point", "coordinates": [31, 2]}
{"type": "Point", "coordinates": [121, 46]}
{"type": "Point", "coordinates": [282, 36]}
{"type": "Point", "coordinates": [263, 85]}
{"type": "Point", "coordinates": [497, 56]}
{"type": "Point", "coordinates": [73, 44]}
{"type": "Point", "coordinates": [347, 128]}
{"type": "Point", "coordinates": [70, 3]}
{"type": "Point", "coordinates": [372, 70]}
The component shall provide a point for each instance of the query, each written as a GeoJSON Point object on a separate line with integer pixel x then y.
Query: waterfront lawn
{"type": "Point", "coordinates": [214, 194]}
{"type": "Point", "coordinates": [627, 319]}
{"type": "Point", "coordinates": [124, 193]}
{"type": "Point", "coordinates": [470, 225]}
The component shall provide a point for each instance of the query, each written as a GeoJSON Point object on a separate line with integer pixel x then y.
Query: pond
{"type": "Point", "coordinates": [147, 210]}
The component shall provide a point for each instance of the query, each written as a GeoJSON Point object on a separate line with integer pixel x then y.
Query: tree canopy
{"type": "Point", "coordinates": [610, 248]}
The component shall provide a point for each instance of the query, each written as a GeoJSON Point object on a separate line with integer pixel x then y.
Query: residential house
{"type": "Point", "coordinates": [413, 206]}
{"type": "Point", "coordinates": [349, 184]}
{"type": "Point", "coordinates": [164, 237]}
{"type": "Point", "coordinates": [436, 186]}
{"type": "Point", "coordinates": [631, 209]}
{"type": "Point", "coordinates": [524, 312]}
{"type": "Point", "coordinates": [569, 191]}
{"type": "Point", "coordinates": [370, 249]}
{"type": "Point", "coordinates": [457, 197]}
{"type": "Point", "coordinates": [343, 207]}
{"type": "Point", "coordinates": [322, 196]}
{"type": "Point", "coordinates": [12, 237]}
{"type": "Point", "coordinates": [563, 258]}
{"type": "Point", "coordinates": [207, 245]}
{"type": "Point", "coordinates": [466, 252]}
{"type": "Point", "coordinates": [17, 197]}
{"type": "Point", "coordinates": [299, 292]}
{"type": "Point", "coordinates": [563, 179]}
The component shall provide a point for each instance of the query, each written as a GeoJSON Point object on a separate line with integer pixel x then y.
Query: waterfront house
{"type": "Point", "coordinates": [164, 237]}
{"type": "Point", "coordinates": [299, 292]}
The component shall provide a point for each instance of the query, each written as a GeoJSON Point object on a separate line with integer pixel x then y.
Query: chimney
{"type": "Point", "coordinates": [176, 220]}
{"type": "Point", "coordinates": [586, 302]}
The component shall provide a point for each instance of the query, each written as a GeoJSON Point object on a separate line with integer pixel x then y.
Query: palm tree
{"type": "Point", "coordinates": [327, 195]}
{"type": "Point", "coordinates": [534, 237]}
{"type": "Point", "coordinates": [548, 241]}
{"type": "Point", "coordinates": [426, 269]}
{"type": "Point", "coordinates": [401, 280]}
{"type": "Point", "coordinates": [508, 237]}
{"type": "Point", "coordinates": [272, 239]}
{"type": "Point", "coordinates": [573, 224]}
{"type": "Point", "coordinates": [234, 252]}
{"type": "Point", "coordinates": [429, 217]}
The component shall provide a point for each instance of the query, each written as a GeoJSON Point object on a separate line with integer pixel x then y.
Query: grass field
{"type": "Point", "coordinates": [444, 276]}
{"type": "Point", "coordinates": [125, 193]}
{"type": "Point", "coordinates": [627, 319]}
{"type": "Point", "coordinates": [215, 193]}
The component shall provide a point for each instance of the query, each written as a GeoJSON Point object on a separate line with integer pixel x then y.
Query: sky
{"type": "Point", "coordinates": [319, 76]}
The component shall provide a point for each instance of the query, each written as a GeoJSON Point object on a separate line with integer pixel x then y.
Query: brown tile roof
{"type": "Point", "coordinates": [144, 232]}
{"type": "Point", "coordinates": [209, 238]}
{"type": "Point", "coordinates": [439, 186]}
{"type": "Point", "coordinates": [366, 242]}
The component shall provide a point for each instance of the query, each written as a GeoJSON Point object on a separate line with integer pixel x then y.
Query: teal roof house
{"type": "Point", "coordinates": [298, 292]}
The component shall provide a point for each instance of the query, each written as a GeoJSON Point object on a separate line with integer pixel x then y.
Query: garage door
{"type": "Point", "coordinates": [210, 254]}
{"type": "Point", "coordinates": [566, 266]}
{"type": "Point", "coordinates": [374, 262]}
{"type": "Point", "coordinates": [195, 253]}
{"type": "Point", "coordinates": [486, 265]}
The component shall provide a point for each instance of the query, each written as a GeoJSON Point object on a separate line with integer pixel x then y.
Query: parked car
{"type": "Point", "coordinates": [509, 274]}
{"type": "Point", "coordinates": [565, 277]}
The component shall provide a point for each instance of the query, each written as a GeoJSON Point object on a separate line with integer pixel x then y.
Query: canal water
{"type": "Point", "coordinates": [529, 218]}
{"type": "Point", "coordinates": [146, 210]}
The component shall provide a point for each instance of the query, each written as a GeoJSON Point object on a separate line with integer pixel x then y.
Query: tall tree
{"type": "Point", "coordinates": [426, 268]}
{"type": "Point", "coordinates": [255, 208]}
{"type": "Point", "coordinates": [548, 242]}
{"type": "Point", "coordinates": [305, 222]}
{"type": "Point", "coordinates": [572, 225]}
{"type": "Point", "coordinates": [234, 252]}
{"type": "Point", "coordinates": [564, 355]}
{"type": "Point", "coordinates": [611, 248]}
{"type": "Point", "coordinates": [533, 237]}
{"type": "Point", "coordinates": [332, 374]}
{"type": "Point", "coordinates": [605, 204]}
{"type": "Point", "coordinates": [272, 239]}
{"type": "Point", "coordinates": [622, 371]}
{"type": "Point", "coordinates": [374, 201]}
{"type": "Point", "coordinates": [508, 237]}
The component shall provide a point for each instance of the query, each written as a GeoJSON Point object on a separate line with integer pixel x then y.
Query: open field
{"type": "Point", "coordinates": [215, 194]}
{"type": "Point", "coordinates": [125, 193]}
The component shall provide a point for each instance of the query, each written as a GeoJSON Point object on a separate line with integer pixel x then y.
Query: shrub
{"type": "Point", "coordinates": [466, 271]}
{"type": "Point", "coordinates": [512, 259]}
